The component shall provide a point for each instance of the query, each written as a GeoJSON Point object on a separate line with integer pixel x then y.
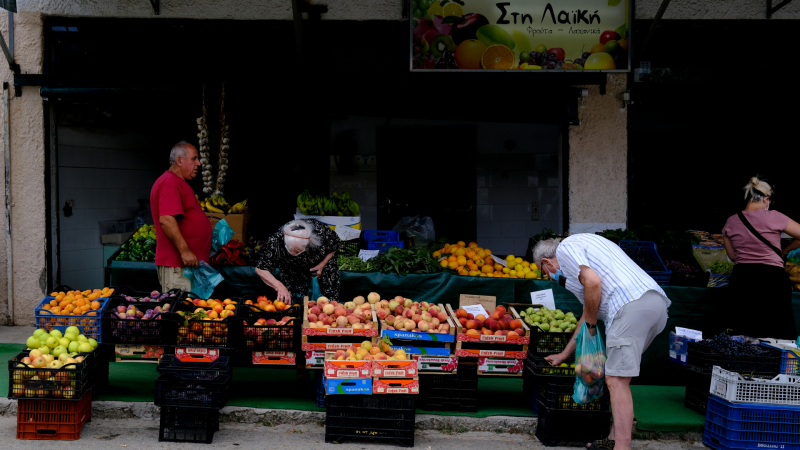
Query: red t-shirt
{"type": "Point", "coordinates": [748, 248]}
{"type": "Point", "coordinates": [172, 196]}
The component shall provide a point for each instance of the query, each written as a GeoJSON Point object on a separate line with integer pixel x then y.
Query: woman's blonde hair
{"type": "Point", "coordinates": [757, 189]}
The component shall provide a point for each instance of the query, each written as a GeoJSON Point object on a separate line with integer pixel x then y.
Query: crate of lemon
{"type": "Point", "coordinates": [474, 261]}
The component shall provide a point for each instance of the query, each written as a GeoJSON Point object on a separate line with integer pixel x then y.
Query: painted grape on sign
{"type": "Point", "coordinates": [528, 35]}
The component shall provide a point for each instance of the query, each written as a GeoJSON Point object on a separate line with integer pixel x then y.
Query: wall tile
{"type": "Point", "coordinates": [502, 212]}
{"type": "Point", "coordinates": [502, 246]}
{"type": "Point", "coordinates": [549, 212]}
{"type": "Point", "coordinates": [514, 228]}
{"type": "Point", "coordinates": [483, 178]}
{"type": "Point", "coordinates": [533, 179]}
{"type": "Point", "coordinates": [482, 197]}
{"type": "Point", "coordinates": [521, 246]}
{"type": "Point", "coordinates": [543, 162]}
{"type": "Point", "coordinates": [73, 222]}
{"type": "Point", "coordinates": [483, 213]}
{"type": "Point", "coordinates": [522, 212]}
{"type": "Point", "coordinates": [68, 240]}
{"type": "Point", "coordinates": [489, 229]}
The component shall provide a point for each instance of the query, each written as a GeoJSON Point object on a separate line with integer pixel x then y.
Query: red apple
{"type": "Point", "coordinates": [609, 35]}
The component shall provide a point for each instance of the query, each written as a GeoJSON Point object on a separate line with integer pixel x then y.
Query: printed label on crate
{"type": "Point", "coordinates": [274, 358]}
{"type": "Point", "coordinates": [345, 386]}
{"type": "Point", "coordinates": [308, 331]}
{"type": "Point", "coordinates": [395, 385]}
{"type": "Point", "coordinates": [720, 388]}
{"type": "Point", "coordinates": [412, 336]}
{"type": "Point", "coordinates": [520, 340]}
{"type": "Point", "coordinates": [475, 353]}
{"type": "Point", "coordinates": [139, 351]}
{"type": "Point", "coordinates": [402, 368]}
{"type": "Point", "coordinates": [197, 354]}
{"type": "Point", "coordinates": [347, 369]}
{"type": "Point", "coordinates": [427, 351]}
{"type": "Point", "coordinates": [322, 346]}
{"type": "Point", "coordinates": [315, 358]}
{"type": "Point", "coordinates": [489, 365]}
{"type": "Point", "coordinates": [436, 363]}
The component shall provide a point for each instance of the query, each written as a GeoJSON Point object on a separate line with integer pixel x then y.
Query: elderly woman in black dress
{"type": "Point", "coordinates": [298, 250]}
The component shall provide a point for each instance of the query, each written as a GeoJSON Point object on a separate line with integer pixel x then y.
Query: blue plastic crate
{"type": "Point", "coordinates": [382, 240]}
{"type": "Point", "coordinates": [319, 400]}
{"type": "Point", "coordinates": [662, 276]}
{"type": "Point", "coordinates": [90, 323]}
{"type": "Point", "coordinates": [790, 360]}
{"type": "Point", "coordinates": [751, 426]}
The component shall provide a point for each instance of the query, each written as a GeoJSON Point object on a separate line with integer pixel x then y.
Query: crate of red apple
{"type": "Point", "coordinates": [331, 318]}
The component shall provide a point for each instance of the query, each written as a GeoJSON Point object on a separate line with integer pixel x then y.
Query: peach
{"type": "Point", "coordinates": [472, 332]}
{"type": "Point", "coordinates": [408, 303]}
{"type": "Point", "coordinates": [416, 318]}
{"type": "Point", "coordinates": [381, 356]}
{"type": "Point", "coordinates": [315, 311]}
{"type": "Point", "coordinates": [384, 303]}
{"type": "Point", "coordinates": [312, 318]}
{"type": "Point", "coordinates": [338, 354]}
{"type": "Point", "coordinates": [341, 321]}
{"type": "Point", "coordinates": [393, 304]}
{"type": "Point", "coordinates": [434, 323]}
{"type": "Point", "coordinates": [520, 332]}
{"type": "Point", "coordinates": [338, 312]}
{"type": "Point", "coordinates": [353, 319]}
{"type": "Point", "coordinates": [498, 333]}
{"type": "Point", "coordinates": [368, 326]}
{"type": "Point", "coordinates": [512, 334]}
{"type": "Point", "coordinates": [442, 316]}
{"type": "Point", "coordinates": [478, 324]}
{"type": "Point", "coordinates": [373, 297]}
{"type": "Point", "coordinates": [514, 324]}
{"type": "Point", "coordinates": [434, 310]}
{"type": "Point", "coordinates": [323, 301]}
{"type": "Point", "coordinates": [320, 324]}
{"type": "Point", "coordinates": [311, 304]}
{"type": "Point", "coordinates": [426, 316]}
{"type": "Point", "coordinates": [409, 325]}
{"type": "Point", "coordinates": [348, 311]}
{"type": "Point", "coordinates": [424, 306]}
{"type": "Point", "coordinates": [327, 320]}
{"type": "Point", "coordinates": [497, 315]}
{"type": "Point", "coordinates": [398, 311]}
{"type": "Point", "coordinates": [444, 328]}
{"type": "Point", "coordinates": [359, 300]}
{"type": "Point", "coordinates": [470, 316]}
{"type": "Point", "coordinates": [423, 326]}
{"type": "Point", "coordinates": [350, 305]}
{"type": "Point", "coordinates": [501, 308]}
{"type": "Point", "coordinates": [328, 309]}
{"type": "Point", "coordinates": [408, 314]}
{"type": "Point", "coordinates": [462, 321]}
{"type": "Point", "coordinates": [374, 351]}
{"type": "Point", "coordinates": [487, 332]}
{"type": "Point", "coordinates": [390, 320]}
{"type": "Point", "coordinates": [382, 314]}
{"type": "Point", "coordinates": [461, 312]}
{"type": "Point", "coordinates": [471, 325]}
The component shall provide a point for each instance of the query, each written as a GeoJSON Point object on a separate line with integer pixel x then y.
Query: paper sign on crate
{"type": "Point", "coordinates": [346, 369]}
{"type": "Point", "coordinates": [436, 363]}
{"type": "Point", "coordinates": [197, 354]}
{"type": "Point", "coordinates": [345, 386]}
{"type": "Point", "coordinates": [491, 365]}
{"type": "Point", "coordinates": [484, 353]}
{"type": "Point", "coordinates": [544, 298]}
{"type": "Point", "coordinates": [487, 302]}
{"type": "Point", "coordinates": [400, 368]}
{"type": "Point", "coordinates": [275, 358]}
{"type": "Point", "coordinates": [315, 359]}
{"type": "Point", "coordinates": [328, 346]}
{"type": "Point", "coordinates": [395, 385]}
{"type": "Point", "coordinates": [131, 351]}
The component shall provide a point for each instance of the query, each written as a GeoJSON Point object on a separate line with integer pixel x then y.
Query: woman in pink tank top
{"type": "Point", "coordinates": [758, 276]}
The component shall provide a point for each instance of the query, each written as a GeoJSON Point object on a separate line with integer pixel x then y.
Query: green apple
{"type": "Point", "coordinates": [56, 334]}
{"type": "Point", "coordinates": [63, 357]}
{"type": "Point", "coordinates": [51, 342]}
{"type": "Point", "coordinates": [64, 341]}
{"type": "Point", "coordinates": [45, 350]}
{"type": "Point", "coordinates": [32, 342]}
{"type": "Point", "coordinates": [72, 330]}
{"type": "Point", "coordinates": [82, 338]}
{"type": "Point", "coordinates": [39, 332]}
{"type": "Point", "coordinates": [85, 347]}
{"type": "Point", "coordinates": [71, 336]}
{"type": "Point", "coordinates": [58, 351]}
{"type": "Point", "coordinates": [93, 343]}
{"type": "Point", "coordinates": [73, 346]}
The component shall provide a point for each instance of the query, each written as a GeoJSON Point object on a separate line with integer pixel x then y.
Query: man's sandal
{"type": "Point", "coordinates": [601, 444]}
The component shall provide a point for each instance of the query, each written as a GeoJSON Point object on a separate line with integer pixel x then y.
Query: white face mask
{"type": "Point", "coordinates": [290, 251]}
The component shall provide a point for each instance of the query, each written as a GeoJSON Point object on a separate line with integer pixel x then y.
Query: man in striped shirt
{"type": "Point", "coordinates": [614, 289]}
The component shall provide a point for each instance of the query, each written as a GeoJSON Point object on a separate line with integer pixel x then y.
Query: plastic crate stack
{"type": "Point", "coordinates": [700, 362]}
{"type": "Point", "coordinates": [549, 390]}
{"type": "Point", "coordinates": [190, 395]}
{"type": "Point", "coordinates": [269, 338]}
{"type": "Point", "coordinates": [645, 254]}
{"type": "Point", "coordinates": [382, 240]}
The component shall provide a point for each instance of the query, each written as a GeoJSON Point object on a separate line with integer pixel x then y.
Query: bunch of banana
{"type": "Point", "coordinates": [335, 205]}
{"type": "Point", "coordinates": [238, 208]}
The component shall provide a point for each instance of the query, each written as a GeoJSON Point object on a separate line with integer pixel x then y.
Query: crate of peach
{"type": "Point", "coordinates": [331, 318]}
{"type": "Point", "coordinates": [206, 323]}
{"type": "Point", "coordinates": [68, 308]}
{"type": "Point", "coordinates": [269, 326]}
{"type": "Point", "coordinates": [406, 319]}
{"type": "Point", "coordinates": [500, 335]}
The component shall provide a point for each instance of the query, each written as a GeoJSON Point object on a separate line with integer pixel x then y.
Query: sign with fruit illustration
{"type": "Point", "coordinates": [520, 34]}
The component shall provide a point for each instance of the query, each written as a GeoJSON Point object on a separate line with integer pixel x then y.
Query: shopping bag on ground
{"type": "Point", "coordinates": [221, 235]}
{"type": "Point", "coordinates": [204, 279]}
{"type": "Point", "coordinates": [590, 366]}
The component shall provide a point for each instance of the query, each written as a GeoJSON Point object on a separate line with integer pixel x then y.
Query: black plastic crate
{"type": "Point", "coordinates": [449, 393]}
{"type": "Point", "coordinates": [542, 368]}
{"type": "Point", "coordinates": [696, 399]}
{"type": "Point", "coordinates": [120, 292]}
{"type": "Point", "coordinates": [557, 395]}
{"type": "Point", "coordinates": [251, 313]}
{"type": "Point", "coordinates": [387, 419]}
{"type": "Point", "coordinates": [544, 343]}
{"type": "Point", "coordinates": [158, 331]}
{"type": "Point", "coordinates": [205, 333]}
{"type": "Point", "coordinates": [261, 338]}
{"type": "Point", "coordinates": [195, 371]}
{"type": "Point", "coordinates": [558, 427]}
{"type": "Point", "coordinates": [172, 390]}
{"type": "Point", "coordinates": [701, 359]}
{"type": "Point", "coordinates": [68, 383]}
{"type": "Point", "coordinates": [195, 425]}
{"type": "Point", "coordinates": [319, 398]}
{"type": "Point", "coordinates": [100, 368]}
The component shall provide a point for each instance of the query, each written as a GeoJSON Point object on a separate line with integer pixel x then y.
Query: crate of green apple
{"type": "Point", "coordinates": [326, 317]}
{"type": "Point", "coordinates": [124, 322]}
{"type": "Point", "coordinates": [60, 367]}
{"type": "Point", "coordinates": [551, 329]}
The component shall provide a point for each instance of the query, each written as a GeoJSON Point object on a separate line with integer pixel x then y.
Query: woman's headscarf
{"type": "Point", "coordinates": [297, 235]}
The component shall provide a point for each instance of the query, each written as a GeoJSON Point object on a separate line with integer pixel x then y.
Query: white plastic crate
{"type": "Point", "coordinates": [731, 386]}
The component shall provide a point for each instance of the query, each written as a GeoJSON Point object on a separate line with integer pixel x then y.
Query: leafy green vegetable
{"type": "Point", "coordinates": [355, 264]}
{"type": "Point", "coordinates": [721, 268]}
{"type": "Point", "coordinates": [405, 261]}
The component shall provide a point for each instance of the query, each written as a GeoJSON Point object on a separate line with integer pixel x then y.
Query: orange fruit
{"type": "Point", "coordinates": [463, 271]}
{"type": "Point", "coordinates": [218, 308]}
{"type": "Point", "coordinates": [461, 252]}
{"type": "Point", "coordinates": [443, 263]}
{"type": "Point", "coordinates": [452, 258]}
{"type": "Point", "coordinates": [468, 54]}
{"type": "Point", "coordinates": [280, 306]}
{"type": "Point", "coordinates": [487, 269]}
{"type": "Point", "coordinates": [452, 265]}
{"type": "Point", "coordinates": [461, 244]}
{"type": "Point", "coordinates": [497, 57]}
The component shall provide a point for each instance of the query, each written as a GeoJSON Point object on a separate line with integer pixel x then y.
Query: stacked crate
{"type": "Point", "coordinates": [138, 339]}
{"type": "Point", "coordinates": [190, 395]}
{"type": "Point", "coordinates": [266, 342]}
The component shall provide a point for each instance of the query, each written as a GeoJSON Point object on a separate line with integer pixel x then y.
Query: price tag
{"type": "Point", "coordinates": [346, 233]}
{"type": "Point", "coordinates": [544, 297]}
{"type": "Point", "coordinates": [689, 333]}
{"type": "Point", "coordinates": [475, 310]}
{"type": "Point", "coordinates": [368, 254]}
{"type": "Point", "coordinates": [502, 262]}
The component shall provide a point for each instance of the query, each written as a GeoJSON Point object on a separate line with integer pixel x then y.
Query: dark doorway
{"type": "Point", "coordinates": [428, 171]}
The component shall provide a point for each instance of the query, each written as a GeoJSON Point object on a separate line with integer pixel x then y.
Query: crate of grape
{"type": "Point", "coordinates": [82, 309]}
{"type": "Point", "coordinates": [131, 295]}
{"type": "Point", "coordinates": [645, 255]}
{"type": "Point", "coordinates": [730, 354]}
{"type": "Point", "coordinates": [139, 323]}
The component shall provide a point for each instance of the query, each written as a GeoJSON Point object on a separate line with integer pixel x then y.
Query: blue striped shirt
{"type": "Point", "coordinates": [621, 280]}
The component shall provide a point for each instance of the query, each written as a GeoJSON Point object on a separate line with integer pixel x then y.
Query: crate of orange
{"type": "Point", "coordinates": [269, 325]}
{"type": "Point", "coordinates": [474, 261]}
{"type": "Point", "coordinates": [68, 308]}
{"type": "Point", "coordinates": [207, 323]}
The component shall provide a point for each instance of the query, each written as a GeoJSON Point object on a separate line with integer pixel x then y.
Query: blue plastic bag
{"type": "Point", "coordinates": [204, 279]}
{"type": "Point", "coordinates": [314, 292]}
{"type": "Point", "coordinates": [222, 234]}
{"type": "Point", "coordinates": [590, 363]}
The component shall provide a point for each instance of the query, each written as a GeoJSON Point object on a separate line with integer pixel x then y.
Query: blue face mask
{"type": "Point", "coordinates": [555, 276]}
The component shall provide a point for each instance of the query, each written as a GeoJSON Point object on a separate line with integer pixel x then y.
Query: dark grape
{"type": "Point", "coordinates": [581, 62]}
{"type": "Point", "coordinates": [552, 56]}
{"type": "Point", "coordinates": [440, 63]}
{"type": "Point", "coordinates": [585, 55]}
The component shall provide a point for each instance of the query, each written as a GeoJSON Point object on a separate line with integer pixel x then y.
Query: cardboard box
{"type": "Point", "coordinates": [446, 364]}
{"type": "Point", "coordinates": [237, 222]}
{"type": "Point", "coordinates": [397, 369]}
{"type": "Point", "coordinates": [315, 359]}
{"type": "Point", "coordinates": [197, 354]}
{"type": "Point", "coordinates": [274, 358]}
{"type": "Point", "coordinates": [507, 366]}
{"type": "Point", "coordinates": [153, 352]}
{"type": "Point", "coordinates": [346, 386]}
{"type": "Point", "coordinates": [346, 369]}
{"type": "Point", "coordinates": [395, 385]}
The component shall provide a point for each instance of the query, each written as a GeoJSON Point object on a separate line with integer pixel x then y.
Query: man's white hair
{"type": "Point", "coordinates": [178, 149]}
{"type": "Point", "coordinates": [545, 249]}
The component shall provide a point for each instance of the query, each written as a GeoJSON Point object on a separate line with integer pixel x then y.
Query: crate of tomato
{"type": "Point", "coordinates": [207, 323]}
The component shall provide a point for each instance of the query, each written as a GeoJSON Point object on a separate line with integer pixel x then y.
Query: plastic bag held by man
{"type": "Point", "coordinates": [204, 279]}
{"type": "Point", "coordinates": [590, 360]}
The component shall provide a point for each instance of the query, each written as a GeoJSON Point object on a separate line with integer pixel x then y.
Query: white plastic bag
{"type": "Point", "coordinates": [418, 228]}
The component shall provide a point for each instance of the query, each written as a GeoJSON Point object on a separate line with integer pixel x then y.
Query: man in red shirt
{"type": "Point", "coordinates": [183, 232]}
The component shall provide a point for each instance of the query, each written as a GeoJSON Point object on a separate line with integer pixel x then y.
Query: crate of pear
{"type": "Point", "coordinates": [550, 320]}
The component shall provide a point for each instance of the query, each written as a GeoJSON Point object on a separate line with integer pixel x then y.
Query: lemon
{"type": "Point", "coordinates": [526, 263]}
{"type": "Point", "coordinates": [513, 273]}
{"type": "Point", "coordinates": [518, 260]}
{"type": "Point", "coordinates": [506, 270]}
{"type": "Point", "coordinates": [530, 275]}
{"type": "Point", "coordinates": [511, 265]}
{"type": "Point", "coordinates": [525, 270]}
{"type": "Point", "coordinates": [436, 9]}
{"type": "Point", "coordinates": [534, 266]}
{"type": "Point", "coordinates": [510, 258]}
{"type": "Point", "coordinates": [453, 9]}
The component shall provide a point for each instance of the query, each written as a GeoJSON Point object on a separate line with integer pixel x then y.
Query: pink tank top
{"type": "Point", "coordinates": [748, 248]}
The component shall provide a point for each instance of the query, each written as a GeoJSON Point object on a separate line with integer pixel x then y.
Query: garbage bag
{"type": "Point", "coordinates": [590, 362]}
{"type": "Point", "coordinates": [222, 234]}
{"type": "Point", "coordinates": [416, 227]}
{"type": "Point", "coordinates": [204, 279]}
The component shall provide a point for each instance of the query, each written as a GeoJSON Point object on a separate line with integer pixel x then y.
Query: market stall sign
{"type": "Point", "coordinates": [534, 35]}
